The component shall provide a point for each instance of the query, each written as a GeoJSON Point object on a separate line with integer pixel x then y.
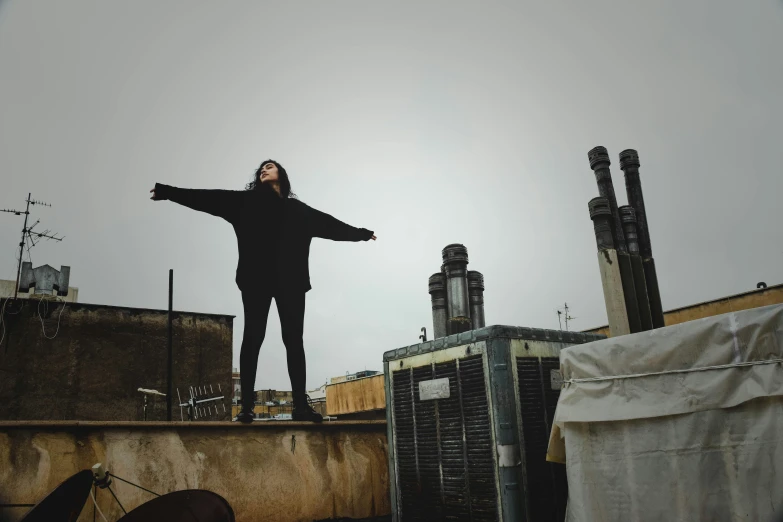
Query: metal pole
{"type": "Point", "coordinates": [21, 245]}
{"type": "Point", "coordinates": [170, 382]}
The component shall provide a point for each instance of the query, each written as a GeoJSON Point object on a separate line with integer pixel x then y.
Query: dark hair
{"type": "Point", "coordinates": [282, 176]}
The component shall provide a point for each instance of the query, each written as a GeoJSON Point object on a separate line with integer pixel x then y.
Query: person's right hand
{"type": "Point", "coordinates": [154, 198]}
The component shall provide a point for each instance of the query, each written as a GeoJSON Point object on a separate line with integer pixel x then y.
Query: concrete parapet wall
{"type": "Point", "coordinates": [268, 472]}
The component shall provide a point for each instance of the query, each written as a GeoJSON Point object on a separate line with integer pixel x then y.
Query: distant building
{"type": "Point", "coordinates": [762, 296]}
{"type": "Point", "coordinates": [276, 404]}
{"type": "Point", "coordinates": [236, 395]}
{"type": "Point", "coordinates": [7, 290]}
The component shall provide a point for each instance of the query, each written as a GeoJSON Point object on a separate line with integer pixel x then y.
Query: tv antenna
{"type": "Point", "coordinates": [28, 235]}
{"type": "Point", "coordinates": [566, 318]}
{"type": "Point", "coordinates": [199, 405]}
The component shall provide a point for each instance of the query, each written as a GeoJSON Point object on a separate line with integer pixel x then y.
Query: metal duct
{"type": "Point", "coordinates": [437, 289]}
{"type": "Point", "coordinates": [599, 163]}
{"type": "Point", "coordinates": [455, 265]}
{"type": "Point", "coordinates": [601, 215]}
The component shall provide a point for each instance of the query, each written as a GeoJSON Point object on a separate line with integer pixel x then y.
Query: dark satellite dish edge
{"type": "Point", "coordinates": [65, 502]}
{"type": "Point", "coordinates": [189, 505]}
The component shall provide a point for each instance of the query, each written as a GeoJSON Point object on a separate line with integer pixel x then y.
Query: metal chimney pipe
{"type": "Point", "coordinates": [608, 265]}
{"type": "Point", "coordinates": [437, 289]}
{"type": "Point", "coordinates": [629, 164]}
{"type": "Point", "coordinates": [455, 265]}
{"type": "Point", "coordinates": [599, 163]}
{"type": "Point", "coordinates": [628, 217]}
{"type": "Point", "coordinates": [476, 292]}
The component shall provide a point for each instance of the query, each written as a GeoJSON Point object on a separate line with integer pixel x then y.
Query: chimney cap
{"type": "Point", "coordinates": [598, 155]}
{"type": "Point", "coordinates": [455, 252]}
{"type": "Point", "coordinates": [629, 158]}
{"type": "Point", "coordinates": [627, 214]}
{"type": "Point", "coordinates": [437, 282]}
{"type": "Point", "coordinates": [599, 207]}
{"type": "Point", "coordinates": [475, 279]}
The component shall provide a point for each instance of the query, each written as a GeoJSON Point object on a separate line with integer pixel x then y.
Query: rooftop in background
{"type": "Point", "coordinates": [764, 296]}
{"type": "Point", "coordinates": [353, 376]}
{"type": "Point", "coordinates": [7, 290]}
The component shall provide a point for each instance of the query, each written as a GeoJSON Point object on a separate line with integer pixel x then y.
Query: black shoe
{"type": "Point", "coordinates": [244, 416]}
{"type": "Point", "coordinates": [304, 412]}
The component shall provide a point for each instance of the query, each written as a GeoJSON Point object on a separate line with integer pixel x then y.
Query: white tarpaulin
{"type": "Point", "coordinates": [683, 423]}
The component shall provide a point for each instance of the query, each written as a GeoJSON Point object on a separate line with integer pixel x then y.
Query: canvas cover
{"type": "Point", "coordinates": [679, 423]}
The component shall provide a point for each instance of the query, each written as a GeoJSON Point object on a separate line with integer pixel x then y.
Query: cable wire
{"type": "Point", "coordinates": [96, 506]}
{"type": "Point", "coordinates": [132, 484]}
{"type": "Point", "coordinates": [43, 326]}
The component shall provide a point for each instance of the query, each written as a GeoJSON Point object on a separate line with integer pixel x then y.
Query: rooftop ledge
{"type": "Point", "coordinates": [44, 424]}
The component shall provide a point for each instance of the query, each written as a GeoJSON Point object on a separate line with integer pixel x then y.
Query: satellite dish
{"type": "Point", "coordinates": [65, 502]}
{"type": "Point", "coordinates": [190, 505]}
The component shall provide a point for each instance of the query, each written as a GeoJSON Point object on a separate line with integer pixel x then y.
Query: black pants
{"type": "Point", "coordinates": [291, 308]}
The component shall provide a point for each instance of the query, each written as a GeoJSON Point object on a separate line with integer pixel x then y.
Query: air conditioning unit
{"type": "Point", "coordinates": [468, 426]}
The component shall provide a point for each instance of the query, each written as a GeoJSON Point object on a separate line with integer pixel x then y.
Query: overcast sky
{"type": "Point", "coordinates": [428, 122]}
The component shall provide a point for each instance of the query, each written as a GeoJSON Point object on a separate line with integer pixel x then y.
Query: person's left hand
{"type": "Point", "coordinates": [373, 238]}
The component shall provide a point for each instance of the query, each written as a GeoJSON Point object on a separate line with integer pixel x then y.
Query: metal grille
{"type": "Point", "coordinates": [481, 464]}
{"type": "Point", "coordinates": [405, 442]}
{"type": "Point", "coordinates": [452, 448]}
{"type": "Point", "coordinates": [445, 463]}
{"type": "Point", "coordinates": [429, 505]}
{"type": "Point", "coordinates": [547, 489]}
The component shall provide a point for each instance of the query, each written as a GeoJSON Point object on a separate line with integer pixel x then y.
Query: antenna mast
{"type": "Point", "coordinates": [27, 233]}
{"type": "Point", "coordinates": [567, 317]}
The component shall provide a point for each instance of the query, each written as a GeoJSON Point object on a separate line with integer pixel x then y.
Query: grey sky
{"type": "Point", "coordinates": [429, 123]}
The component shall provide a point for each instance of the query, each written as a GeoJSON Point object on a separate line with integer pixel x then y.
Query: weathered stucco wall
{"type": "Point", "coordinates": [755, 299]}
{"type": "Point", "coordinates": [91, 366]}
{"type": "Point", "coordinates": [268, 472]}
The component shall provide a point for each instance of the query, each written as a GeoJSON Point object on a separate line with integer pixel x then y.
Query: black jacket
{"type": "Point", "coordinates": [273, 234]}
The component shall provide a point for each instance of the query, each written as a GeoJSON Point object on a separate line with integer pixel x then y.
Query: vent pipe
{"type": "Point", "coordinates": [608, 265]}
{"type": "Point", "coordinates": [476, 292]}
{"type": "Point", "coordinates": [455, 266]}
{"type": "Point", "coordinates": [628, 218]}
{"type": "Point", "coordinates": [599, 163]}
{"type": "Point", "coordinates": [440, 318]}
{"type": "Point", "coordinates": [629, 164]}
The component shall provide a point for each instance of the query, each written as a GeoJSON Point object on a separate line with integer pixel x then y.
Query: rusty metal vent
{"type": "Point", "coordinates": [445, 463]}
{"type": "Point", "coordinates": [547, 489]}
